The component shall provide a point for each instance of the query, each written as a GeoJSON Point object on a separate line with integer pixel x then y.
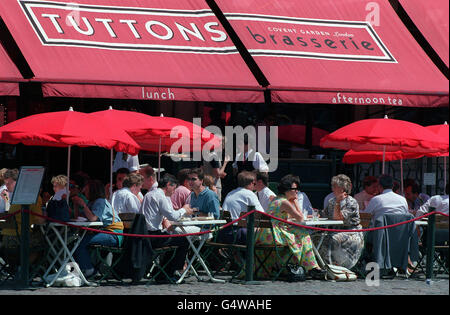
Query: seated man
{"type": "Point", "coordinates": [126, 199]}
{"type": "Point", "coordinates": [155, 207]}
{"type": "Point", "coordinates": [182, 195]}
{"type": "Point", "coordinates": [202, 197]}
{"type": "Point", "coordinates": [388, 201]}
{"type": "Point", "coordinates": [264, 194]}
{"type": "Point", "coordinates": [237, 201]}
{"type": "Point", "coordinates": [370, 189]}
{"type": "Point", "coordinates": [413, 195]}
{"type": "Point", "coordinates": [437, 203]}
{"type": "Point", "coordinates": [304, 203]}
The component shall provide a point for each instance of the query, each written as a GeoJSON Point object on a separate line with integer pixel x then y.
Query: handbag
{"type": "Point", "coordinates": [296, 273]}
{"type": "Point", "coordinates": [338, 273]}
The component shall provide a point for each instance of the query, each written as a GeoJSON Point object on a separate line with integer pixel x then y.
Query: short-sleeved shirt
{"type": "Point", "coordinates": [304, 202]}
{"type": "Point", "coordinates": [2, 201]}
{"type": "Point", "coordinates": [238, 200]}
{"type": "Point", "coordinates": [132, 162]}
{"type": "Point", "coordinates": [124, 201]}
{"type": "Point", "coordinates": [180, 197]}
{"type": "Point", "coordinates": [439, 203]}
{"type": "Point", "coordinates": [206, 201]}
{"type": "Point", "coordinates": [264, 197]}
{"type": "Point", "coordinates": [103, 210]}
{"type": "Point", "coordinates": [387, 202]}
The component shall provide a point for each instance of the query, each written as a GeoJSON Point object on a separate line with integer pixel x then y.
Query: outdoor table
{"type": "Point", "coordinates": [320, 222]}
{"type": "Point", "coordinates": [196, 249]}
{"type": "Point", "coordinates": [59, 247]}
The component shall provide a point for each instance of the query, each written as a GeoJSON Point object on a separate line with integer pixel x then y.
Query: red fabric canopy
{"type": "Point", "coordinates": [443, 132]}
{"type": "Point", "coordinates": [67, 128]}
{"type": "Point", "coordinates": [336, 52]}
{"type": "Point", "coordinates": [385, 134]}
{"type": "Point", "coordinates": [431, 18]}
{"type": "Point", "coordinates": [148, 50]}
{"type": "Point", "coordinates": [352, 157]}
{"type": "Point", "coordinates": [8, 75]}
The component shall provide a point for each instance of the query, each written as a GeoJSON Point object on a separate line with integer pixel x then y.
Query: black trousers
{"type": "Point", "coordinates": [180, 254]}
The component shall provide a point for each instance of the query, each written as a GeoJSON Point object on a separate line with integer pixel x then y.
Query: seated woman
{"type": "Point", "coordinates": [342, 248]}
{"type": "Point", "coordinates": [99, 209]}
{"type": "Point", "coordinates": [296, 238]}
{"type": "Point", "coordinates": [10, 244]}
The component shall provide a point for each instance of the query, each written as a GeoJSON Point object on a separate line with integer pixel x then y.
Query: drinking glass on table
{"type": "Point", "coordinates": [315, 215]}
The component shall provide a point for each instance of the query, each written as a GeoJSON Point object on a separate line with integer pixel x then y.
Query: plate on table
{"type": "Point", "coordinates": [80, 219]}
{"type": "Point", "coordinates": [205, 218]}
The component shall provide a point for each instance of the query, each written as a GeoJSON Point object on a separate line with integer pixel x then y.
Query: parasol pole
{"type": "Point", "coordinates": [110, 168]}
{"type": "Point", "coordinates": [159, 155]}
{"type": "Point", "coordinates": [401, 177]}
{"type": "Point", "coordinates": [384, 157]}
{"type": "Point", "coordinates": [68, 172]}
{"type": "Point", "coordinates": [69, 149]}
{"type": "Point", "coordinates": [110, 173]}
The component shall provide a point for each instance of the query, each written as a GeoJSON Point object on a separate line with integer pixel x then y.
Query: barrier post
{"type": "Point", "coordinates": [430, 245]}
{"type": "Point", "coordinates": [249, 259]}
{"type": "Point", "coordinates": [24, 247]}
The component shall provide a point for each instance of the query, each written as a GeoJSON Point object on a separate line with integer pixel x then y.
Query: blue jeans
{"type": "Point", "coordinates": [82, 255]}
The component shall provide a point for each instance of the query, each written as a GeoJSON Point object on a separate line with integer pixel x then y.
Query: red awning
{"type": "Point", "coordinates": [134, 49]}
{"type": "Point", "coordinates": [431, 18]}
{"type": "Point", "coordinates": [9, 75]}
{"type": "Point", "coordinates": [325, 51]}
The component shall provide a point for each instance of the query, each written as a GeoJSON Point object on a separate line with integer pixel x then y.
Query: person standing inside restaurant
{"type": "Point", "coordinates": [248, 159]}
{"type": "Point", "coordinates": [370, 188]}
{"type": "Point", "coordinates": [124, 160]}
{"type": "Point", "coordinates": [303, 201]}
{"type": "Point", "coordinates": [98, 209]}
{"type": "Point", "coordinates": [342, 248]}
{"type": "Point", "coordinates": [157, 206]}
{"type": "Point", "coordinates": [295, 238]}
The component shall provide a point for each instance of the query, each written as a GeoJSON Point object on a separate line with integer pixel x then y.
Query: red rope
{"type": "Point", "coordinates": [224, 226]}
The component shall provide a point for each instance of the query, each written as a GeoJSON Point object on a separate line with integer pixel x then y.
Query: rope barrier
{"type": "Point", "coordinates": [225, 225]}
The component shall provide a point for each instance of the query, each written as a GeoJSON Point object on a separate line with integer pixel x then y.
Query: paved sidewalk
{"type": "Point", "coordinates": [397, 286]}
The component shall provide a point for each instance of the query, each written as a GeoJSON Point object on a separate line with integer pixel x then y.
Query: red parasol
{"type": "Point", "coordinates": [388, 135]}
{"type": "Point", "coordinates": [352, 157]}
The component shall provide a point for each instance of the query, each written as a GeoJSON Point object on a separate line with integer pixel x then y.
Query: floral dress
{"type": "Point", "coordinates": [343, 248]}
{"type": "Point", "coordinates": [297, 239]}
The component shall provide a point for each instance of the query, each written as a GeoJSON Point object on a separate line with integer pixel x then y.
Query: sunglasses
{"type": "Point", "coordinates": [192, 179]}
{"type": "Point", "coordinates": [294, 189]}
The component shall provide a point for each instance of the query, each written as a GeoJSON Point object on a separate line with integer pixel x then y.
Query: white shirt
{"type": "Point", "coordinates": [258, 164]}
{"type": "Point", "coordinates": [237, 201]}
{"type": "Point", "coordinates": [124, 201]}
{"type": "Point", "coordinates": [304, 202]}
{"type": "Point", "coordinates": [387, 202]}
{"type": "Point", "coordinates": [439, 202]}
{"type": "Point", "coordinates": [264, 197]}
{"type": "Point", "coordinates": [155, 206]}
{"type": "Point", "coordinates": [3, 204]}
{"type": "Point", "coordinates": [132, 162]}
